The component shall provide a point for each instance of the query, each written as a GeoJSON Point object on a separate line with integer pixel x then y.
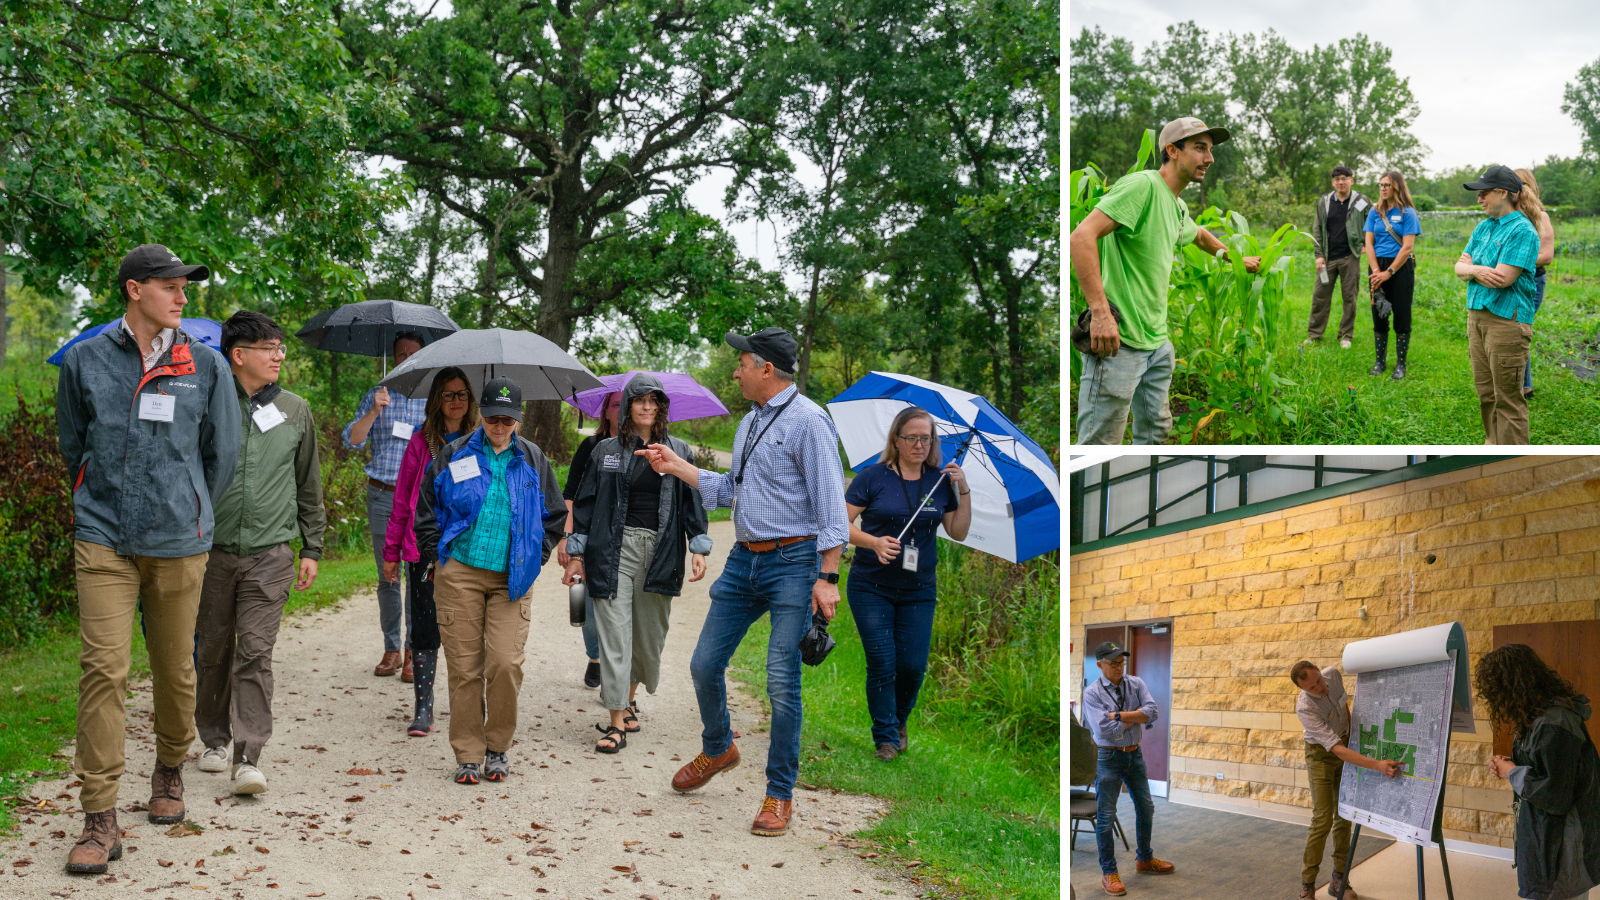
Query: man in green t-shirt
{"type": "Point", "coordinates": [1122, 253]}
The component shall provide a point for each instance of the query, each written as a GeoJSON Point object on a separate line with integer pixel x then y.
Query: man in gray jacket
{"type": "Point", "coordinates": [1337, 240]}
{"type": "Point", "coordinates": [149, 427]}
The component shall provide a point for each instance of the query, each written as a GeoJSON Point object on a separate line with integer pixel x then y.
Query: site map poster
{"type": "Point", "coordinates": [1403, 714]}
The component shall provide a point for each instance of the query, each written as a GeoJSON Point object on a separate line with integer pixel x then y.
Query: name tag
{"type": "Point", "coordinates": [402, 430]}
{"type": "Point", "coordinates": [908, 557]}
{"type": "Point", "coordinates": [612, 462]}
{"type": "Point", "coordinates": [268, 417]}
{"type": "Point", "coordinates": [464, 469]}
{"type": "Point", "coordinates": [157, 407]}
{"type": "Point", "coordinates": [1361, 206]}
{"type": "Point", "coordinates": [1396, 218]}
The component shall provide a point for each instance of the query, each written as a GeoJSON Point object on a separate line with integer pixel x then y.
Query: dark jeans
{"type": "Point", "coordinates": [1117, 768]}
{"type": "Point", "coordinates": [391, 601]}
{"type": "Point", "coordinates": [423, 630]}
{"type": "Point", "coordinates": [1399, 290]}
{"type": "Point", "coordinates": [896, 626]}
{"type": "Point", "coordinates": [1538, 301]}
{"type": "Point", "coordinates": [752, 584]}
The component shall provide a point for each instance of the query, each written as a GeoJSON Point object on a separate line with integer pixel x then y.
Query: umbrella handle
{"type": "Point", "coordinates": [902, 534]}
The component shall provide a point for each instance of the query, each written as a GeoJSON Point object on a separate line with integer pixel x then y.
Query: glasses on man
{"type": "Point", "coordinates": [273, 351]}
{"type": "Point", "coordinates": [455, 396]}
{"type": "Point", "coordinates": [917, 440]}
{"type": "Point", "coordinates": [499, 421]}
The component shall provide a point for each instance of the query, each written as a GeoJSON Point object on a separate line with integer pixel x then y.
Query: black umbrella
{"type": "Point", "coordinates": [543, 370]}
{"type": "Point", "coordinates": [369, 328]}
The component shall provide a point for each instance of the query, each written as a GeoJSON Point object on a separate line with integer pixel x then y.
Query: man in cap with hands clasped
{"type": "Point", "coordinates": [1116, 707]}
{"type": "Point", "coordinates": [1122, 254]}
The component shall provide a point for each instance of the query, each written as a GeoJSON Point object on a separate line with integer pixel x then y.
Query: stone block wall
{"type": "Point", "coordinates": [1504, 543]}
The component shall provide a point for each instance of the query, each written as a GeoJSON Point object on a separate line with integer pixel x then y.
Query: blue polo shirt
{"type": "Point", "coordinates": [1510, 239]}
{"type": "Point", "coordinates": [1404, 221]}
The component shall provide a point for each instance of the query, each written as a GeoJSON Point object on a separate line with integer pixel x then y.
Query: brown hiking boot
{"type": "Point", "coordinates": [1153, 867]}
{"type": "Point", "coordinates": [388, 665]}
{"type": "Point", "coordinates": [100, 842]}
{"type": "Point", "coordinates": [1333, 887]}
{"type": "Point", "coordinates": [1113, 884]}
{"type": "Point", "coordinates": [1308, 891]}
{"type": "Point", "coordinates": [773, 819]}
{"type": "Point", "coordinates": [166, 794]}
{"type": "Point", "coordinates": [700, 769]}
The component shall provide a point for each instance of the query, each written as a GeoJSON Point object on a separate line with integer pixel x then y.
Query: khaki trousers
{"type": "Point", "coordinates": [482, 632]}
{"type": "Point", "coordinates": [1499, 351]}
{"type": "Point", "coordinates": [111, 589]}
{"type": "Point", "coordinates": [1346, 273]}
{"type": "Point", "coordinates": [1323, 769]}
{"type": "Point", "coordinates": [632, 625]}
{"type": "Point", "coordinates": [241, 606]}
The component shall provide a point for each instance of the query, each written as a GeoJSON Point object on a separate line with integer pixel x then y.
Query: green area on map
{"type": "Point", "coordinates": [1388, 746]}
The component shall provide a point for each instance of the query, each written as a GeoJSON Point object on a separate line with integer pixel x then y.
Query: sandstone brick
{"type": "Point", "coordinates": [1329, 589]}
{"type": "Point", "coordinates": [1233, 787]}
{"type": "Point", "coordinates": [1259, 668]}
{"type": "Point", "coordinates": [1215, 735]}
{"type": "Point", "coordinates": [1472, 776]}
{"type": "Point", "coordinates": [1351, 513]}
{"type": "Point", "coordinates": [1498, 824]}
{"type": "Point", "coordinates": [1188, 716]}
{"type": "Point", "coordinates": [1470, 754]}
{"type": "Point", "coordinates": [1250, 720]}
{"type": "Point", "coordinates": [1580, 540]}
{"type": "Point", "coordinates": [1191, 782]}
{"type": "Point", "coordinates": [1202, 669]}
{"type": "Point", "coordinates": [1273, 739]}
{"type": "Point", "coordinates": [1269, 703]}
{"type": "Point", "coordinates": [1244, 600]}
{"type": "Point", "coordinates": [1337, 571]}
{"type": "Point", "coordinates": [1276, 546]}
{"type": "Point", "coordinates": [1299, 612]}
{"type": "Point", "coordinates": [1288, 796]}
{"type": "Point", "coordinates": [1377, 568]}
{"type": "Point", "coordinates": [1576, 590]}
{"type": "Point", "coordinates": [1524, 594]}
{"type": "Point", "coordinates": [1469, 555]}
{"type": "Point", "coordinates": [1197, 622]}
{"type": "Point", "coordinates": [1272, 529]}
{"type": "Point", "coordinates": [1371, 547]}
{"type": "Point", "coordinates": [1470, 533]}
{"type": "Point", "coordinates": [1284, 596]}
{"type": "Point", "coordinates": [1246, 617]}
{"type": "Point", "coordinates": [1225, 553]}
{"type": "Point", "coordinates": [1416, 521]}
{"type": "Point", "coordinates": [1302, 577]}
{"type": "Point", "coordinates": [1314, 521]}
{"type": "Point", "coordinates": [1532, 547]}
{"type": "Point", "coordinates": [1355, 588]}
{"type": "Point", "coordinates": [1268, 756]}
{"type": "Point", "coordinates": [1464, 598]}
{"type": "Point", "coordinates": [1196, 607]}
{"type": "Point", "coordinates": [1460, 819]}
{"type": "Point", "coordinates": [1263, 582]}
{"type": "Point", "coordinates": [1197, 750]}
{"type": "Point", "coordinates": [1565, 566]}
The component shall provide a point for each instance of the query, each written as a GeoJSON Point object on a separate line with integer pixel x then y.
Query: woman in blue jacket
{"type": "Point", "coordinates": [489, 514]}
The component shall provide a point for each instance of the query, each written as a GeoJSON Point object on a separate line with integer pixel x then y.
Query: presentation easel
{"type": "Point", "coordinates": [1437, 837]}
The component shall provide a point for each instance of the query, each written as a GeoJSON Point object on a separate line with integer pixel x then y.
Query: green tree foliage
{"type": "Point", "coordinates": [1581, 101]}
{"type": "Point", "coordinates": [1113, 100]}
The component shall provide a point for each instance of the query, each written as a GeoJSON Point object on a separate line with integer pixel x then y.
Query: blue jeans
{"type": "Point", "coordinates": [1538, 301]}
{"type": "Point", "coordinates": [896, 626]}
{"type": "Point", "coordinates": [1117, 768]}
{"type": "Point", "coordinates": [394, 609]}
{"type": "Point", "coordinates": [751, 584]}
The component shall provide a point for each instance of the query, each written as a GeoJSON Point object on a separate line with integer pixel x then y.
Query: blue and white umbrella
{"type": "Point", "coordinates": [1016, 493]}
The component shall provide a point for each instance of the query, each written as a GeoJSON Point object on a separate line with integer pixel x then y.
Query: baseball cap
{"type": "Point", "coordinates": [1108, 650]}
{"type": "Point", "coordinates": [156, 261]}
{"type": "Point", "coordinates": [774, 345]}
{"type": "Point", "coordinates": [1188, 127]}
{"type": "Point", "coordinates": [1496, 177]}
{"type": "Point", "coordinates": [501, 397]}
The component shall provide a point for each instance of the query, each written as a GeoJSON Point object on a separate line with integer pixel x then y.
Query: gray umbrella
{"type": "Point", "coordinates": [543, 370]}
{"type": "Point", "coordinates": [369, 328]}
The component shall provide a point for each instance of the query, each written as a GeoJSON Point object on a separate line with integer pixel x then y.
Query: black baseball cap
{"type": "Point", "coordinates": [156, 261]}
{"type": "Point", "coordinates": [1108, 650]}
{"type": "Point", "coordinates": [774, 345]}
{"type": "Point", "coordinates": [1501, 177]}
{"type": "Point", "coordinates": [501, 397]}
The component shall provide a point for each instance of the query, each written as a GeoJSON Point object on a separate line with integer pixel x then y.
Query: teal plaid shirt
{"type": "Point", "coordinates": [1510, 239]}
{"type": "Point", "coordinates": [487, 544]}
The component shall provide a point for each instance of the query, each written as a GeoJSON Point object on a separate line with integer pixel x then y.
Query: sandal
{"type": "Point", "coordinates": [613, 734]}
{"type": "Point", "coordinates": [630, 722]}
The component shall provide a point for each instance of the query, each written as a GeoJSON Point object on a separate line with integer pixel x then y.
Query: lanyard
{"type": "Point", "coordinates": [911, 508]}
{"type": "Point", "coordinates": [1121, 698]}
{"type": "Point", "coordinates": [752, 440]}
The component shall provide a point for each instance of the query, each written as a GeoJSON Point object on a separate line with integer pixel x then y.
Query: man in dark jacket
{"type": "Point", "coordinates": [149, 427]}
{"type": "Point", "coordinates": [1336, 242]}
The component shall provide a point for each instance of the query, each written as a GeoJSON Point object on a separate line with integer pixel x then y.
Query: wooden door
{"type": "Point", "coordinates": [1152, 662]}
{"type": "Point", "coordinates": [1567, 647]}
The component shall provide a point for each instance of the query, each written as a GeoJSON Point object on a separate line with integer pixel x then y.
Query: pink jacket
{"type": "Point", "coordinates": [400, 541]}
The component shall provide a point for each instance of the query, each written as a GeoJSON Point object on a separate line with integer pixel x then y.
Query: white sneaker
{"type": "Point", "coordinates": [247, 779]}
{"type": "Point", "coordinates": [214, 759]}
{"type": "Point", "coordinates": [1345, 344]}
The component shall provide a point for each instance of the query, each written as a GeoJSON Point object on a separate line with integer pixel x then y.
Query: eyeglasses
{"type": "Point", "coordinates": [274, 351]}
{"type": "Point", "coordinates": [499, 421]}
{"type": "Point", "coordinates": [916, 440]}
{"type": "Point", "coordinates": [455, 396]}
{"type": "Point", "coordinates": [647, 400]}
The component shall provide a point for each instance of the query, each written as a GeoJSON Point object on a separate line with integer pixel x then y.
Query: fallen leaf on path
{"type": "Point", "coordinates": [645, 812]}
{"type": "Point", "coordinates": [356, 799]}
{"type": "Point", "coordinates": [746, 865]}
{"type": "Point", "coordinates": [622, 868]}
{"type": "Point", "coordinates": [777, 865]}
{"type": "Point", "coordinates": [675, 834]}
{"type": "Point", "coordinates": [360, 772]}
{"type": "Point", "coordinates": [631, 843]}
{"type": "Point", "coordinates": [185, 828]}
{"type": "Point", "coordinates": [261, 849]}
{"type": "Point", "coordinates": [164, 863]}
{"type": "Point", "coordinates": [406, 852]}
{"type": "Point", "coordinates": [314, 747]}
{"type": "Point", "coordinates": [537, 827]}
{"type": "Point", "coordinates": [224, 851]}
{"type": "Point", "coordinates": [318, 894]}
{"type": "Point", "coordinates": [538, 871]}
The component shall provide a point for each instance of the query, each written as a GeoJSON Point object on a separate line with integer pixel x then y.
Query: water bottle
{"type": "Point", "coordinates": [577, 596]}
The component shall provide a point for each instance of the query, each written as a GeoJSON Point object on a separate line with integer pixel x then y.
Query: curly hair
{"type": "Point", "coordinates": [1518, 686]}
{"type": "Point", "coordinates": [658, 428]}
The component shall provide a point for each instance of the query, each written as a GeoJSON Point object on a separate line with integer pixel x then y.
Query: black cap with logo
{"type": "Point", "coordinates": [774, 345]}
{"type": "Point", "coordinates": [1501, 177]}
{"type": "Point", "coordinates": [156, 261]}
{"type": "Point", "coordinates": [1108, 650]}
{"type": "Point", "coordinates": [501, 397]}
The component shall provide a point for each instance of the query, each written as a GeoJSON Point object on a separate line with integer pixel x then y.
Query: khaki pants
{"type": "Point", "coordinates": [111, 589]}
{"type": "Point", "coordinates": [1346, 273]}
{"type": "Point", "coordinates": [632, 625]}
{"type": "Point", "coordinates": [482, 632]}
{"type": "Point", "coordinates": [1499, 351]}
{"type": "Point", "coordinates": [241, 605]}
{"type": "Point", "coordinates": [1323, 769]}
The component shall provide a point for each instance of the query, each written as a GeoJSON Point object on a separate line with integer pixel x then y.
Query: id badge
{"type": "Point", "coordinates": [268, 417]}
{"type": "Point", "coordinates": [157, 407]}
{"type": "Point", "coordinates": [908, 557]}
{"type": "Point", "coordinates": [464, 469]}
{"type": "Point", "coordinates": [402, 430]}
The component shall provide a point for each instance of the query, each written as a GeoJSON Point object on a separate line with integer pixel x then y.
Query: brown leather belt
{"type": "Point", "coordinates": [769, 546]}
{"type": "Point", "coordinates": [380, 485]}
{"type": "Point", "coordinates": [1122, 749]}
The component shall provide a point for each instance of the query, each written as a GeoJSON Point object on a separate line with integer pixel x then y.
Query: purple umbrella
{"type": "Point", "coordinates": [688, 399]}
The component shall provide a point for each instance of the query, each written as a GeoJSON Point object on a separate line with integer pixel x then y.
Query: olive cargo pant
{"type": "Point", "coordinates": [1323, 769]}
{"type": "Point", "coordinates": [482, 631]}
{"type": "Point", "coordinates": [1499, 351]}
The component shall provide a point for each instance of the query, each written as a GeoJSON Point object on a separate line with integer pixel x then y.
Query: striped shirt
{"type": "Point", "coordinates": [486, 544]}
{"type": "Point", "coordinates": [793, 481]}
{"type": "Point", "coordinates": [159, 346]}
{"type": "Point", "coordinates": [387, 450]}
{"type": "Point", "coordinates": [1513, 240]}
{"type": "Point", "coordinates": [1100, 700]}
{"type": "Point", "coordinates": [1326, 719]}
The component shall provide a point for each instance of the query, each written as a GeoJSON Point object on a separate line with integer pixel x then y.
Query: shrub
{"type": "Point", "coordinates": [37, 593]}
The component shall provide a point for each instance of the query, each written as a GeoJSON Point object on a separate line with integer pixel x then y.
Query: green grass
{"type": "Point", "coordinates": [37, 721]}
{"type": "Point", "coordinates": [964, 805]}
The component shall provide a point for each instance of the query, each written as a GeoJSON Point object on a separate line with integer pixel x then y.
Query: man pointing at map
{"type": "Point", "coordinates": [1324, 710]}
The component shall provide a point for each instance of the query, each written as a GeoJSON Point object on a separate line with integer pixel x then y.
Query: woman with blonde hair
{"type": "Point", "coordinates": [901, 500]}
{"type": "Point", "coordinates": [1392, 228]}
{"type": "Point", "coordinates": [1532, 206]}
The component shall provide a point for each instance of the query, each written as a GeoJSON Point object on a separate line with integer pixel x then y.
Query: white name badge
{"type": "Point", "coordinates": [268, 417]}
{"type": "Point", "coordinates": [464, 469]}
{"type": "Point", "coordinates": [1361, 206]}
{"type": "Point", "coordinates": [403, 430]}
{"type": "Point", "coordinates": [908, 557]}
{"type": "Point", "coordinates": [157, 407]}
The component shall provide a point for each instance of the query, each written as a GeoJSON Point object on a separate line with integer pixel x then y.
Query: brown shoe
{"type": "Point", "coordinates": [773, 819]}
{"type": "Point", "coordinates": [166, 794]}
{"type": "Point", "coordinates": [700, 769]}
{"type": "Point", "coordinates": [1308, 891]}
{"type": "Point", "coordinates": [1333, 887]}
{"type": "Point", "coordinates": [390, 663]}
{"type": "Point", "coordinates": [405, 669]}
{"type": "Point", "coordinates": [100, 842]}
{"type": "Point", "coordinates": [1113, 884]}
{"type": "Point", "coordinates": [886, 752]}
{"type": "Point", "coordinates": [1153, 867]}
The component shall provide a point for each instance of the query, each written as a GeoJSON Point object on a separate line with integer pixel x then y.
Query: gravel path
{"type": "Point", "coordinates": [355, 809]}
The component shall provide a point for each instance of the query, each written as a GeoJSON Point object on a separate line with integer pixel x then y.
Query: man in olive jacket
{"type": "Point", "coordinates": [149, 429]}
{"type": "Point", "coordinates": [1337, 239]}
{"type": "Point", "coordinates": [278, 485]}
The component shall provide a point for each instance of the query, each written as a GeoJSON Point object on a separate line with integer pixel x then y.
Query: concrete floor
{"type": "Point", "coordinates": [1391, 874]}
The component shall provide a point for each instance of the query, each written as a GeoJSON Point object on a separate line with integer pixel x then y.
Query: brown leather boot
{"type": "Point", "coordinates": [1153, 867]}
{"type": "Point", "coordinates": [406, 673]}
{"type": "Point", "coordinates": [389, 665]}
{"type": "Point", "coordinates": [700, 769]}
{"type": "Point", "coordinates": [1113, 884]}
{"type": "Point", "coordinates": [1308, 891]}
{"type": "Point", "coordinates": [100, 842]}
{"type": "Point", "coordinates": [166, 794]}
{"type": "Point", "coordinates": [1333, 887]}
{"type": "Point", "coordinates": [773, 819]}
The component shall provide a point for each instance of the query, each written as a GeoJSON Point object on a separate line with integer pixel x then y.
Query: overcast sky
{"type": "Point", "coordinates": [1487, 75]}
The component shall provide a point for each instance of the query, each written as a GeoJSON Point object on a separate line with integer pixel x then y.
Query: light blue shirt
{"type": "Point", "coordinates": [1513, 240]}
{"type": "Point", "coordinates": [387, 450]}
{"type": "Point", "coordinates": [1100, 701]}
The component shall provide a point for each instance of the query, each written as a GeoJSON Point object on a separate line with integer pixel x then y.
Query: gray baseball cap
{"type": "Point", "coordinates": [1188, 127]}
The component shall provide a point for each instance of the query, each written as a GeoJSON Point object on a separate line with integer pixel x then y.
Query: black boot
{"type": "Point", "coordinates": [424, 663]}
{"type": "Point", "coordinates": [1402, 341]}
{"type": "Point", "coordinates": [1381, 339]}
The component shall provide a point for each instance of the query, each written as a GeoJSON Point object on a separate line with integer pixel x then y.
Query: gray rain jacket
{"type": "Point", "coordinates": [600, 511]}
{"type": "Point", "coordinates": [141, 487]}
{"type": "Point", "coordinates": [1557, 780]}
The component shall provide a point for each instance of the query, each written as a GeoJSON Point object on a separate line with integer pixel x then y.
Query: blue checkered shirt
{"type": "Point", "coordinates": [386, 448]}
{"type": "Point", "coordinates": [486, 544]}
{"type": "Point", "coordinates": [793, 479]}
{"type": "Point", "coordinates": [1513, 240]}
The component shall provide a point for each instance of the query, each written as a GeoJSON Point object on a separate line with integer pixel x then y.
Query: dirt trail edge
{"type": "Point", "coordinates": [356, 809]}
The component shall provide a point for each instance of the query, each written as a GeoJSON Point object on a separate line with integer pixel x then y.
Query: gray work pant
{"type": "Point", "coordinates": [241, 604]}
{"type": "Point", "coordinates": [1345, 273]}
{"type": "Point", "coordinates": [1133, 381]}
{"type": "Point", "coordinates": [393, 610]}
{"type": "Point", "coordinates": [632, 625]}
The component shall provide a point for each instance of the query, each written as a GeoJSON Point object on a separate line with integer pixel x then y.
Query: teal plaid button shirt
{"type": "Point", "coordinates": [487, 544]}
{"type": "Point", "coordinates": [1513, 240]}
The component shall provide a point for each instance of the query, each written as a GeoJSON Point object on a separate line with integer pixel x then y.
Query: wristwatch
{"type": "Point", "coordinates": [829, 577]}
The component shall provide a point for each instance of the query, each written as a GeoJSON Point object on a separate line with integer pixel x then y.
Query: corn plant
{"type": "Point", "coordinates": [1086, 186]}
